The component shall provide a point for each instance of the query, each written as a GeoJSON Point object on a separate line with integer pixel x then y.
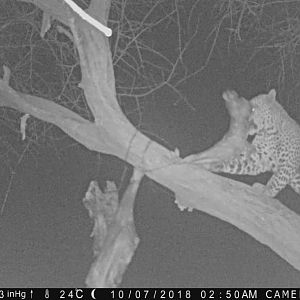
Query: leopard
{"type": "Point", "coordinates": [276, 139]}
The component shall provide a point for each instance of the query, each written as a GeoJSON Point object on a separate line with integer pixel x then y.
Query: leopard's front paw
{"type": "Point", "coordinates": [259, 188]}
{"type": "Point", "coordinates": [263, 189]}
{"type": "Point", "coordinates": [216, 167]}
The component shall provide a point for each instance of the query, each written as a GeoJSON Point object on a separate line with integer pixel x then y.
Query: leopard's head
{"type": "Point", "coordinates": [261, 115]}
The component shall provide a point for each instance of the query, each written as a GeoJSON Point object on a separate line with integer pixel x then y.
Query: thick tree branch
{"type": "Point", "coordinates": [266, 219]}
{"type": "Point", "coordinates": [115, 238]}
{"type": "Point", "coordinates": [48, 111]}
{"type": "Point", "coordinates": [234, 141]}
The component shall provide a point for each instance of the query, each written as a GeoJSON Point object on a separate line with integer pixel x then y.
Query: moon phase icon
{"type": "Point", "coordinates": [93, 293]}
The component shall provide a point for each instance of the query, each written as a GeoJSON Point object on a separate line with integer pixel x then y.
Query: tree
{"type": "Point", "coordinates": [103, 127]}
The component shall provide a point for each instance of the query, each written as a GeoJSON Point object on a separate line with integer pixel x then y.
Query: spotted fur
{"type": "Point", "coordinates": [277, 145]}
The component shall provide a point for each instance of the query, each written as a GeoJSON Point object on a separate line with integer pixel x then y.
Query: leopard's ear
{"type": "Point", "coordinates": [272, 95]}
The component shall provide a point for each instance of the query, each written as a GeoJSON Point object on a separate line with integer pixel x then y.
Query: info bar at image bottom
{"type": "Point", "coordinates": [148, 293]}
